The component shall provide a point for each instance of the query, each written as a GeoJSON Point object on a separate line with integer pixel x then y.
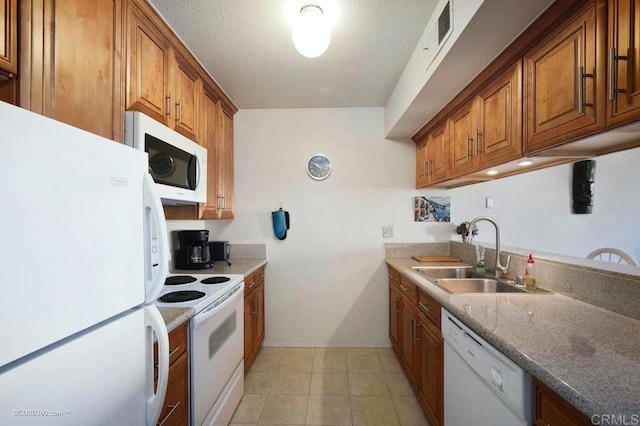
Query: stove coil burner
{"type": "Point", "coordinates": [179, 279]}
{"type": "Point", "coordinates": [215, 280]}
{"type": "Point", "coordinates": [181, 296]}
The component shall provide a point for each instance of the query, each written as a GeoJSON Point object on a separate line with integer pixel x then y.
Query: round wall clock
{"type": "Point", "coordinates": [319, 167]}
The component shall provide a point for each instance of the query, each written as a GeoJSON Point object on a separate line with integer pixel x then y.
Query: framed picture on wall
{"type": "Point", "coordinates": [432, 209]}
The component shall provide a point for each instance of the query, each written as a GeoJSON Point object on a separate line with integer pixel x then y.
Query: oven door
{"type": "Point", "coordinates": [217, 348]}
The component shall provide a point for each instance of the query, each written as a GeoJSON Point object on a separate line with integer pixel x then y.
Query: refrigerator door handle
{"type": "Point", "coordinates": [155, 324]}
{"type": "Point", "coordinates": [156, 241]}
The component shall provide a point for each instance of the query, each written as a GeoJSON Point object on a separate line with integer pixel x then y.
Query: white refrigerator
{"type": "Point", "coordinates": [83, 254]}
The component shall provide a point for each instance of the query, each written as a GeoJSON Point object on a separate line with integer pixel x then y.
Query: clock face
{"type": "Point", "coordinates": [319, 167]}
{"type": "Point", "coordinates": [162, 164]}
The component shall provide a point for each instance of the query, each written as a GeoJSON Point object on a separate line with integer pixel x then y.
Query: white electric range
{"type": "Point", "coordinates": [216, 341]}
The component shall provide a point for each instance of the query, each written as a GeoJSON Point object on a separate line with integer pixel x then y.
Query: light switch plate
{"type": "Point", "coordinates": [489, 202]}
{"type": "Point", "coordinates": [387, 232]}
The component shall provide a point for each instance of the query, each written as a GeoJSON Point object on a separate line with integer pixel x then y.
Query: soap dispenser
{"type": "Point", "coordinates": [529, 280]}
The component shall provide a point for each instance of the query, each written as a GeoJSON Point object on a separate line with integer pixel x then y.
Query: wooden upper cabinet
{"type": "Point", "coordinates": [209, 134]}
{"type": "Point", "coordinates": [499, 125]}
{"type": "Point", "coordinates": [565, 81]}
{"type": "Point", "coordinates": [623, 88]}
{"type": "Point", "coordinates": [462, 129]}
{"type": "Point", "coordinates": [148, 62]}
{"type": "Point", "coordinates": [70, 67]}
{"type": "Point", "coordinates": [185, 89]}
{"type": "Point", "coordinates": [8, 38]}
{"type": "Point", "coordinates": [225, 160]}
{"type": "Point", "coordinates": [432, 157]}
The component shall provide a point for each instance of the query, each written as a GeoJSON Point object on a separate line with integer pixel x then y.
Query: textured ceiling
{"type": "Point", "coordinates": [246, 47]}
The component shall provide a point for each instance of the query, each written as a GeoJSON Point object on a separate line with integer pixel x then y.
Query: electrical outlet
{"type": "Point", "coordinates": [489, 202]}
{"type": "Point", "coordinates": [387, 232]}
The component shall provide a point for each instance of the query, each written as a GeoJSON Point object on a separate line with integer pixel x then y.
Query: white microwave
{"type": "Point", "coordinates": [177, 165]}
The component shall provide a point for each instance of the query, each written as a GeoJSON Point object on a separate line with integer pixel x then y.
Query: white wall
{"type": "Point", "coordinates": [534, 209]}
{"type": "Point", "coordinates": [327, 282]}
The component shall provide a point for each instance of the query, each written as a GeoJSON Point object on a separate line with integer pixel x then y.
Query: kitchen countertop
{"type": "Point", "coordinates": [588, 355]}
{"type": "Point", "coordinates": [174, 317]}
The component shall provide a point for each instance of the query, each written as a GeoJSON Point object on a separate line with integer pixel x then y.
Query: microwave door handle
{"type": "Point", "coordinates": [155, 400]}
{"type": "Point", "coordinates": [192, 172]}
{"type": "Point", "coordinates": [154, 218]}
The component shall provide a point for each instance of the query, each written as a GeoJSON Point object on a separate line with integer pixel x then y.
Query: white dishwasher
{"type": "Point", "coordinates": [481, 385]}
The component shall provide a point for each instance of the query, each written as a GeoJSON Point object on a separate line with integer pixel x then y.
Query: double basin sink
{"type": "Point", "coordinates": [466, 280]}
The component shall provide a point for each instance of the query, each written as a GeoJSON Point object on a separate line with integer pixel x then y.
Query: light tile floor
{"type": "Point", "coordinates": [328, 386]}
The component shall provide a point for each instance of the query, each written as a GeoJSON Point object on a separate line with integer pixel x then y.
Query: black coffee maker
{"type": "Point", "coordinates": [194, 251]}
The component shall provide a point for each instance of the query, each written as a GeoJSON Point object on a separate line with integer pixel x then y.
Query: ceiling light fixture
{"type": "Point", "coordinates": [525, 163]}
{"type": "Point", "coordinates": [311, 32]}
{"type": "Point", "coordinates": [492, 172]}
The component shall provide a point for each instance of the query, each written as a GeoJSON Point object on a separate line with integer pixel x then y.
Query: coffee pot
{"type": "Point", "coordinates": [194, 252]}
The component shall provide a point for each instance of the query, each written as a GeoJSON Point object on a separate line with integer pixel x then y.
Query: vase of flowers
{"type": "Point", "coordinates": [463, 230]}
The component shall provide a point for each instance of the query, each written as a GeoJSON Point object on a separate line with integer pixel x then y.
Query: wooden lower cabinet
{"type": "Point", "coordinates": [253, 316]}
{"type": "Point", "coordinates": [8, 38]}
{"type": "Point", "coordinates": [549, 409]}
{"type": "Point", "coordinates": [430, 386]}
{"type": "Point", "coordinates": [175, 410]}
{"type": "Point", "coordinates": [415, 321]}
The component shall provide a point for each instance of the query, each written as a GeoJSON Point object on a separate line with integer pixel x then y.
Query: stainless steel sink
{"type": "Point", "coordinates": [476, 285]}
{"type": "Point", "coordinates": [435, 273]}
{"type": "Point", "coordinates": [466, 280]}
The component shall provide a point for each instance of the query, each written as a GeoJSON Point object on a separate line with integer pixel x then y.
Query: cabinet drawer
{"type": "Point", "coordinates": [249, 283]}
{"type": "Point", "coordinates": [177, 347]}
{"type": "Point", "coordinates": [409, 289]}
{"type": "Point", "coordinates": [394, 276]}
{"type": "Point", "coordinates": [174, 409]}
{"type": "Point", "coordinates": [259, 275]}
{"type": "Point", "coordinates": [430, 307]}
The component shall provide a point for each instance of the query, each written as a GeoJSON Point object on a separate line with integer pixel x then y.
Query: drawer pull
{"type": "Point", "coordinates": [251, 286]}
{"type": "Point", "coordinates": [403, 288]}
{"type": "Point", "coordinates": [424, 307]}
{"type": "Point", "coordinates": [173, 408]}
{"type": "Point", "coordinates": [172, 353]}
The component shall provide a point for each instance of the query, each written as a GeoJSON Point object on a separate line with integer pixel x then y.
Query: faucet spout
{"type": "Point", "coordinates": [498, 267]}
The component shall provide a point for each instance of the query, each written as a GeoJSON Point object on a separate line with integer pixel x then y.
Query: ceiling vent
{"type": "Point", "coordinates": [440, 31]}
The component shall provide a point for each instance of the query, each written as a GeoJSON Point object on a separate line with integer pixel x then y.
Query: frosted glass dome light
{"type": "Point", "coordinates": [311, 33]}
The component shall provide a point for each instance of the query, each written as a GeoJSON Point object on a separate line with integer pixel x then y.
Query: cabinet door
{"type": "Point", "coordinates": [259, 316]}
{"type": "Point", "coordinates": [407, 338]}
{"type": "Point", "coordinates": [175, 406]}
{"type": "Point", "coordinates": [624, 62]}
{"type": "Point", "coordinates": [550, 409]}
{"type": "Point", "coordinates": [185, 92]}
{"type": "Point", "coordinates": [564, 80]}
{"type": "Point", "coordinates": [148, 63]}
{"type": "Point", "coordinates": [431, 370]}
{"type": "Point", "coordinates": [225, 164]}
{"type": "Point", "coordinates": [248, 331]}
{"type": "Point", "coordinates": [8, 38]}
{"type": "Point", "coordinates": [422, 162]}
{"type": "Point", "coordinates": [499, 132]}
{"type": "Point", "coordinates": [461, 133]}
{"type": "Point", "coordinates": [394, 314]}
{"type": "Point", "coordinates": [71, 63]}
{"type": "Point", "coordinates": [209, 135]}
{"type": "Point", "coordinates": [438, 154]}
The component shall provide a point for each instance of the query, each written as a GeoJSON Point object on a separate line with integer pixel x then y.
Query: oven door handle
{"type": "Point", "coordinates": [212, 310]}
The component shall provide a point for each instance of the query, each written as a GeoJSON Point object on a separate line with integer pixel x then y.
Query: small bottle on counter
{"type": "Point", "coordinates": [480, 259]}
{"type": "Point", "coordinates": [529, 280]}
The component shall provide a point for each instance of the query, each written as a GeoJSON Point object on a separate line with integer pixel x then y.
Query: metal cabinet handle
{"type": "Point", "coordinates": [179, 111]}
{"type": "Point", "coordinates": [251, 286]}
{"type": "Point", "coordinates": [155, 364]}
{"type": "Point", "coordinates": [468, 146]}
{"type": "Point", "coordinates": [395, 299]}
{"type": "Point", "coordinates": [425, 168]}
{"type": "Point", "coordinates": [477, 142]}
{"type": "Point", "coordinates": [403, 288]}
{"type": "Point", "coordinates": [173, 408]}
{"type": "Point", "coordinates": [581, 77]}
{"type": "Point", "coordinates": [424, 307]}
{"type": "Point", "coordinates": [430, 168]}
{"type": "Point", "coordinates": [613, 71]}
{"type": "Point", "coordinates": [170, 108]}
{"type": "Point", "coordinates": [255, 306]}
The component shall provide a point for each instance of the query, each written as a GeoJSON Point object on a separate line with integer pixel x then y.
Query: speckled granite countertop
{"type": "Point", "coordinates": [173, 317]}
{"type": "Point", "coordinates": [588, 355]}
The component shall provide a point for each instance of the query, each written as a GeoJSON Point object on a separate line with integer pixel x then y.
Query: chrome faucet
{"type": "Point", "coordinates": [499, 268]}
